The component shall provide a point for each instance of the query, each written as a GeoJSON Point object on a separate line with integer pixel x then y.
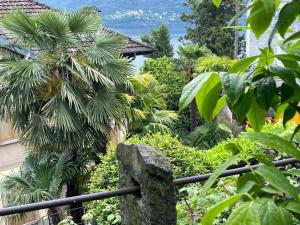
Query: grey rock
{"type": "Point", "coordinates": [156, 203]}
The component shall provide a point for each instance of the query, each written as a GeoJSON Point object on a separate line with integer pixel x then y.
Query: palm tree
{"type": "Point", "coordinates": [66, 94]}
{"type": "Point", "coordinates": [188, 56]}
{"type": "Point", "coordinates": [149, 107]}
{"type": "Point", "coordinates": [40, 178]}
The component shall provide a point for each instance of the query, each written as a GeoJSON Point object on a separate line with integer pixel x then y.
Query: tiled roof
{"type": "Point", "coordinates": [32, 7]}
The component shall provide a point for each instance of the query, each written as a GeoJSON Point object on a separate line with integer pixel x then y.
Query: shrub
{"type": "Point", "coordinates": [166, 72]}
{"type": "Point", "coordinates": [185, 161]}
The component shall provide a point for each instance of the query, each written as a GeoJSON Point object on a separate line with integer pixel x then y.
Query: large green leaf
{"type": "Point", "coordinates": [261, 15]}
{"type": "Point", "coordinates": [192, 88]}
{"type": "Point", "coordinates": [293, 206]}
{"type": "Point", "coordinates": [220, 105]}
{"type": "Point", "coordinates": [287, 16]}
{"type": "Point", "coordinates": [265, 91]}
{"type": "Point", "coordinates": [243, 64]}
{"type": "Point", "coordinates": [247, 182]}
{"type": "Point", "coordinates": [246, 214]}
{"type": "Point", "coordinates": [207, 97]}
{"type": "Point", "coordinates": [209, 183]}
{"type": "Point", "coordinates": [256, 115]}
{"type": "Point", "coordinates": [242, 107]}
{"type": "Point", "coordinates": [275, 142]}
{"type": "Point", "coordinates": [277, 180]}
{"type": "Point", "coordinates": [270, 213]}
{"type": "Point", "coordinates": [217, 2]}
{"type": "Point", "coordinates": [289, 113]}
{"type": "Point", "coordinates": [213, 212]}
{"type": "Point", "coordinates": [233, 86]}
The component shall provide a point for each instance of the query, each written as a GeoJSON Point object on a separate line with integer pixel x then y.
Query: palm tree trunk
{"type": "Point", "coordinates": [76, 208]}
{"type": "Point", "coordinates": [54, 216]}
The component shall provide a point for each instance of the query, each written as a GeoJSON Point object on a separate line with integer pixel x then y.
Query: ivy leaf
{"type": "Point", "coordinates": [256, 115]}
{"type": "Point", "coordinates": [192, 88]}
{"type": "Point", "coordinates": [209, 183]}
{"type": "Point", "coordinates": [243, 64]}
{"type": "Point", "coordinates": [277, 180]}
{"type": "Point", "coordinates": [212, 213]}
{"type": "Point", "coordinates": [287, 16]}
{"type": "Point", "coordinates": [275, 142]}
{"type": "Point", "coordinates": [246, 214]}
{"type": "Point", "coordinates": [207, 97]}
{"type": "Point", "coordinates": [261, 15]}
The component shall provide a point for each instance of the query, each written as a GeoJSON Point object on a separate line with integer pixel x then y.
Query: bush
{"type": "Point", "coordinates": [166, 72]}
{"type": "Point", "coordinates": [185, 161]}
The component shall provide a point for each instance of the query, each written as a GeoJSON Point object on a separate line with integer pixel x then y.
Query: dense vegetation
{"type": "Point", "coordinates": [202, 109]}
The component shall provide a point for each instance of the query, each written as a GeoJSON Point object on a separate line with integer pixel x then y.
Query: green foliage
{"type": "Point", "coordinates": [40, 178]}
{"type": "Point", "coordinates": [67, 96]}
{"type": "Point", "coordinates": [166, 73]}
{"type": "Point", "coordinates": [185, 161]}
{"type": "Point", "coordinates": [214, 63]}
{"type": "Point", "coordinates": [206, 136]}
{"type": "Point", "coordinates": [208, 22]}
{"type": "Point", "coordinates": [148, 107]}
{"type": "Point", "coordinates": [251, 92]}
{"type": "Point", "coordinates": [191, 208]}
{"type": "Point", "coordinates": [160, 39]}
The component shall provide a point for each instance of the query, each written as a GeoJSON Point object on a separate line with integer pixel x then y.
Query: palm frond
{"type": "Point", "coordinates": [54, 26]}
{"type": "Point", "coordinates": [165, 117]}
{"type": "Point", "coordinates": [156, 128]}
{"type": "Point", "coordinates": [84, 21]}
{"type": "Point", "coordinates": [19, 24]}
{"type": "Point", "coordinates": [107, 47]}
{"type": "Point", "coordinates": [118, 70]}
{"type": "Point", "coordinates": [62, 116]}
{"type": "Point", "coordinates": [104, 107]}
{"type": "Point", "coordinates": [38, 125]}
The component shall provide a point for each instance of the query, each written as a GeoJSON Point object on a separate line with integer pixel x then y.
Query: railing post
{"type": "Point", "coordinates": [156, 203]}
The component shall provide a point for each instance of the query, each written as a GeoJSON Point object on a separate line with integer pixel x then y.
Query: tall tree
{"type": "Point", "coordinates": [188, 56]}
{"type": "Point", "coordinates": [65, 96]}
{"type": "Point", "coordinates": [160, 39]}
{"type": "Point", "coordinates": [207, 25]}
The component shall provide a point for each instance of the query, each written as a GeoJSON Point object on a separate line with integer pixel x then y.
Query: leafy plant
{"type": "Point", "coordinates": [265, 196]}
{"type": "Point", "coordinates": [185, 161]}
{"type": "Point", "coordinates": [165, 71]}
{"type": "Point", "coordinates": [148, 107]}
{"type": "Point", "coordinates": [40, 179]}
{"type": "Point", "coordinates": [66, 95]}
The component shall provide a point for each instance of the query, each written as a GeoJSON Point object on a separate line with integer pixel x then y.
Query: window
{"type": "Point", "coordinates": [6, 132]}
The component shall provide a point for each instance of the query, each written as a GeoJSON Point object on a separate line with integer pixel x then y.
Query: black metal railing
{"type": "Point", "coordinates": [129, 190]}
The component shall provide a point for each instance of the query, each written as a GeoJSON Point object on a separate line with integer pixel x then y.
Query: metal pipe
{"type": "Point", "coordinates": [231, 172]}
{"type": "Point", "coordinates": [128, 190]}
